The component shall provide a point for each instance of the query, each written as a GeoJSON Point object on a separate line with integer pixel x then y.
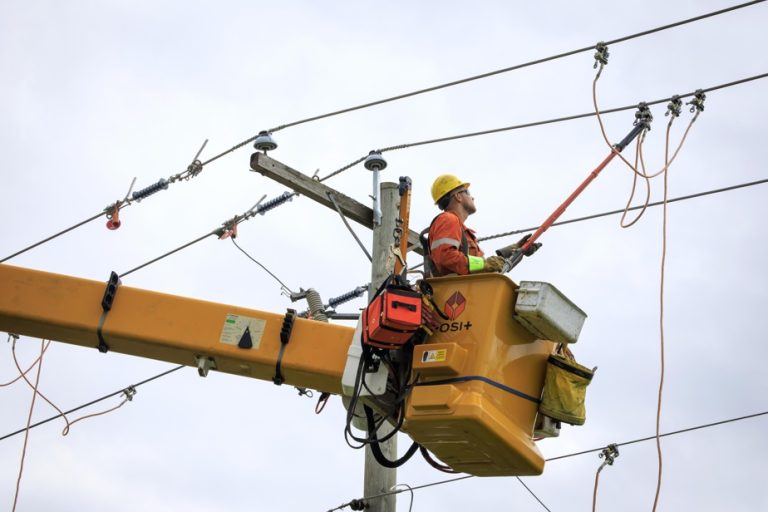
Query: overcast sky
{"type": "Point", "coordinates": [94, 93]}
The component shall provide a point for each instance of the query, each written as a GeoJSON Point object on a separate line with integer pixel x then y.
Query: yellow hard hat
{"type": "Point", "coordinates": [444, 184]}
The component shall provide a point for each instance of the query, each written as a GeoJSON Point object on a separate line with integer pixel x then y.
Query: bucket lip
{"type": "Point", "coordinates": [470, 278]}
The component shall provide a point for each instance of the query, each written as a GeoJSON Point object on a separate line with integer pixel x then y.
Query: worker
{"type": "Point", "coordinates": [453, 247]}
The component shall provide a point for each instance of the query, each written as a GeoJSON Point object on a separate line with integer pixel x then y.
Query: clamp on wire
{"type": "Point", "coordinates": [697, 103]}
{"type": "Point", "coordinates": [113, 210]}
{"type": "Point", "coordinates": [601, 56]}
{"type": "Point", "coordinates": [193, 169]}
{"type": "Point", "coordinates": [129, 393]}
{"type": "Point", "coordinates": [229, 228]}
{"type": "Point", "coordinates": [643, 115]}
{"type": "Point", "coordinates": [674, 107]}
{"type": "Point", "coordinates": [610, 453]}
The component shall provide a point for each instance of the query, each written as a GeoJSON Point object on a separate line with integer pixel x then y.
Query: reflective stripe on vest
{"type": "Point", "coordinates": [444, 241]}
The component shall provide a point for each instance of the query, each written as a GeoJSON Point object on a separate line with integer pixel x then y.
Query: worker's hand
{"type": "Point", "coordinates": [494, 264]}
{"type": "Point", "coordinates": [532, 249]}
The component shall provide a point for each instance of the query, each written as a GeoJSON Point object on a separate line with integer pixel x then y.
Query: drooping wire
{"type": "Point", "coordinates": [615, 212]}
{"type": "Point", "coordinates": [282, 284]}
{"type": "Point", "coordinates": [14, 337]}
{"type": "Point", "coordinates": [226, 227]}
{"type": "Point", "coordinates": [540, 123]}
{"type": "Point", "coordinates": [34, 387]}
{"type": "Point", "coordinates": [29, 420]}
{"type": "Point", "coordinates": [92, 402]}
{"type": "Point", "coordinates": [569, 455]}
{"type": "Point", "coordinates": [507, 69]}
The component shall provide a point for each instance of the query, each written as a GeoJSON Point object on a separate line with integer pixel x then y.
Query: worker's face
{"type": "Point", "coordinates": [465, 199]}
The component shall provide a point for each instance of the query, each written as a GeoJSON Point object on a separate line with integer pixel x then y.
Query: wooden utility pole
{"type": "Point", "coordinates": [379, 479]}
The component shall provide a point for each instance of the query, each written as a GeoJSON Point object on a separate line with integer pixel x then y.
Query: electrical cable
{"type": "Point", "coordinates": [507, 69]}
{"type": "Point", "coordinates": [92, 402]}
{"type": "Point", "coordinates": [35, 387]}
{"type": "Point", "coordinates": [14, 337]}
{"type": "Point", "coordinates": [282, 284]}
{"type": "Point", "coordinates": [346, 223]}
{"type": "Point", "coordinates": [544, 122]}
{"type": "Point", "coordinates": [29, 420]}
{"type": "Point", "coordinates": [533, 494]}
{"type": "Point", "coordinates": [614, 212]}
{"type": "Point", "coordinates": [196, 166]}
{"type": "Point", "coordinates": [584, 452]}
{"type": "Point", "coordinates": [192, 170]}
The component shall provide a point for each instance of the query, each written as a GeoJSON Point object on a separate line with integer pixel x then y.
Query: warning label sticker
{"type": "Point", "coordinates": [242, 331]}
{"type": "Point", "coordinates": [434, 356]}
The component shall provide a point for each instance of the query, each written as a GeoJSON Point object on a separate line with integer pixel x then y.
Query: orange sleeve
{"type": "Point", "coordinates": [445, 245]}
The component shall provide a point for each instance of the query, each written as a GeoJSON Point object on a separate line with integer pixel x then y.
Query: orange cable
{"type": "Point", "coordinates": [29, 420]}
{"type": "Point", "coordinates": [16, 361]}
{"type": "Point", "coordinates": [638, 159]}
{"type": "Point", "coordinates": [661, 317]}
{"type": "Point", "coordinates": [27, 370]}
{"type": "Point", "coordinates": [594, 491]}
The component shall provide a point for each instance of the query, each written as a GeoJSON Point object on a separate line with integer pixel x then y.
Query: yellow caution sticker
{"type": "Point", "coordinates": [434, 356]}
{"type": "Point", "coordinates": [242, 331]}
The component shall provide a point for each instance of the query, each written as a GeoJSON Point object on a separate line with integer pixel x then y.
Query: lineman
{"type": "Point", "coordinates": [453, 247]}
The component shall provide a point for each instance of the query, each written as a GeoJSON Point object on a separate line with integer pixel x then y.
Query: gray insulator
{"type": "Point", "coordinates": [316, 305]}
{"type": "Point", "coordinates": [265, 142]}
{"type": "Point", "coordinates": [375, 162]}
{"type": "Point", "coordinates": [148, 191]}
{"type": "Point", "coordinates": [273, 203]}
{"type": "Point", "coordinates": [341, 299]}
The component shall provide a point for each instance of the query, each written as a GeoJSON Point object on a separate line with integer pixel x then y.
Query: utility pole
{"type": "Point", "coordinates": [379, 479]}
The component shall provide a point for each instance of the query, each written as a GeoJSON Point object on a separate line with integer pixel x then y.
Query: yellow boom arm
{"type": "Point", "coordinates": [171, 328]}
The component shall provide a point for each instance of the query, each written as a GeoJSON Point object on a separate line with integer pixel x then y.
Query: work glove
{"type": "Point", "coordinates": [494, 264]}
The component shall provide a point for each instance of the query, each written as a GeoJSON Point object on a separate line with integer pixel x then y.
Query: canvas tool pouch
{"type": "Point", "coordinates": [392, 318]}
{"type": "Point", "coordinates": [565, 389]}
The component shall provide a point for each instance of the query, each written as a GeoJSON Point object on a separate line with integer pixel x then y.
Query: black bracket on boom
{"type": "Point", "coordinates": [285, 337]}
{"type": "Point", "coordinates": [106, 304]}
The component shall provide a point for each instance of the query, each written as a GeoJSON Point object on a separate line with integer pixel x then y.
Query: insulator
{"type": "Point", "coordinates": [273, 203]}
{"type": "Point", "coordinates": [148, 191]}
{"type": "Point", "coordinates": [341, 299]}
{"type": "Point", "coordinates": [316, 305]}
{"type": "Point", "coordinates": [375, 162]}
{"type": "Point", "coordinates": [265, 142]}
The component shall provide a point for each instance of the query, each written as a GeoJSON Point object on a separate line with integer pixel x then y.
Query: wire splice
{"type": "Point", "coordinates": [643, 115]}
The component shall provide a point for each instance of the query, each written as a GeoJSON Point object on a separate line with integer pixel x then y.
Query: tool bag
{"type": "Point", "coordinates": [565, 389]}
{"type": "Point", "coordinates": [393, 316]}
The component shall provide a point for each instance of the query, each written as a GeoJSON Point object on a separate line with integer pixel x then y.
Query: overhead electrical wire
{"type": "Point", "coordinates": [541, 123]}
{"type": "Point", "coordinates": [615, 212]}
{"type": "Point", "coordinates": [508, 69]}
{"type": "Point", "coordinates": [533, 494]}
{"type": "Point", "coordinates": [575, 454]}
{"type": "Point", "coordinates": [197, 165]}
{"type": "Point", "coordinates": [92, 402]}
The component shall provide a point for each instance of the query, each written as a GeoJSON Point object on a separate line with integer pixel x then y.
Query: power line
{"type": "Point", "coordinates": [675, 432]}
{"type": "Point", "coordinates": [626, 443]}
{"type": "Point", "coordinates": [92, 402]}
{"type": "Point", "coordinates": [507, 69]}
{"type": "Point", "coordinates": [544, 122]}
{"type": "Point", "coordinates": [533, 494]}
{"type": "Point", "coordinates": [614, 212]}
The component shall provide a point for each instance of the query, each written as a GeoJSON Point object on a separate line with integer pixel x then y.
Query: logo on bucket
{"type": "Point", "coordinates": [454, 306]}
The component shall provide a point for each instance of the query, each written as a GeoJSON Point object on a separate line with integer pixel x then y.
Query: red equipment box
{"type": "Point", "coordinates": [392, 318]}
